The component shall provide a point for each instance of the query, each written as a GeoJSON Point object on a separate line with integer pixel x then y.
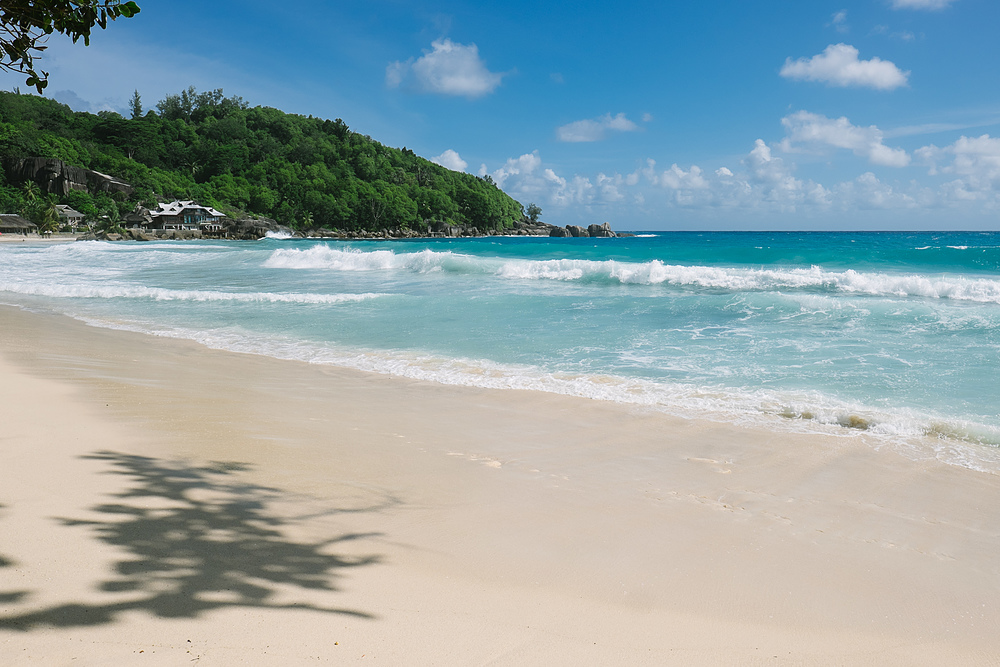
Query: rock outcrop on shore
{"type": "Point", "coordinates": [445, 230]}
{"type": "Point", "coordinates": [57, 177]}
{"type": "Point", "coordinates": [250, 229]}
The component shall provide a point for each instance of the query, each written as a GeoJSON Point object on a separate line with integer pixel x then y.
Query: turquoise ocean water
{"type": "Point", "coordinates": [893, 334]}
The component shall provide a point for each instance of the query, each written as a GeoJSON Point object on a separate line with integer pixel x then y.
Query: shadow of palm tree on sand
{"type": "Point", "coordinates": [199, 539]}
{"type": "Point", "coordinates": [9, 596]}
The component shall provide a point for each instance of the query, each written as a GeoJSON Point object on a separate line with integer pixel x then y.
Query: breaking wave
{"type": "Point", "coordinates": [942, 286]}
{"type": "Point", "coordinates": [800, 412]}
{"type": "Point", "coordinates": [161, 294]}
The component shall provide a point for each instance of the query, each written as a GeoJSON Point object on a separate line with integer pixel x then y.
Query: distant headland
{"type": "Point", "coordinates": [255, 169]}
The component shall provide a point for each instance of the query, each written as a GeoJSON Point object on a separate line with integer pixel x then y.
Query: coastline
{"type": "Point", "coordinates": [468, 526]}
{"type": "Point", "coordinates": [35, 238]}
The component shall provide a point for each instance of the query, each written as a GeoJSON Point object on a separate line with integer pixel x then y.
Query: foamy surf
{"type": "Point", "coordinates": [733, 279]}
{"type": "Point", "coordinates": [160, 294]}
{"type": "Point", "coordinates": [809, 413]}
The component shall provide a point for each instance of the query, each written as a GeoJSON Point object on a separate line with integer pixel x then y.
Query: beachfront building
{"type": "Point", "coordinates": [69, 216]}
{"type": "Point", "coordinates": [186, 215]}
{"type": "Point", "coordinates": [14, 224]}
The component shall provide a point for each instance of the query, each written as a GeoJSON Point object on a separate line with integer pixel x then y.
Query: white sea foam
{"type": "Point", "coordinates": [161, 294]}
{"type": "Point", "coordinates": [982, 290]}
{"type": "Point", "coordinates": [334, 259]}
{"type": "Point", "coordinates": [278, 235]}
{"type": "Point", "coordinates": [954, 441]}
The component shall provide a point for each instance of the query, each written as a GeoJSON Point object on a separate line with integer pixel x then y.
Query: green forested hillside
{"type": "Point", "coordinates": [304, 172]}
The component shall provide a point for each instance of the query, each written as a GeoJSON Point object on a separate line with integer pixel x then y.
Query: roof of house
{"type": "Point", "coordinates": [14, 221]}
{"type": "Point", "coordinates": [68, 212]}
{"type": "Point", "coordinates": [178, 207]}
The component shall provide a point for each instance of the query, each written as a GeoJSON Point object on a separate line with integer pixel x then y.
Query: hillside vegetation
{"type": "Point", "coordinates": [304, 172]}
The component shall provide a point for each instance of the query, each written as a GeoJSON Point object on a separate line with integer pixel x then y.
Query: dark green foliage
{"type": "Point", "coordinates": [24, 25]}
{"type": "Point", "coordinates": [534, 211]}
{"type": "Point", "coordinates": [219, 151]}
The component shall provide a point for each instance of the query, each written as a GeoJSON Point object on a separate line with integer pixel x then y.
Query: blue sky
{"type": "Point", "coordinates": [876, 114]}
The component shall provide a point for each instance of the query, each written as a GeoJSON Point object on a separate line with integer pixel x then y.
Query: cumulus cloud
{"type": "Point", "coordinates": [765, 183]}
{"type": "Point", "coordinates": [527, 179]}
{"type": "Point", "coordinates": [868, 192]}
{"type": "Point", "coordinates": [808, 128]}
{"type": "Point", "coordinates": [975, 160]}
{"type": "Point", "coordinates": [525, 165]}
{"type": "Point", "coordinates": [771, 182]}
{"type": "Point", "coordinates": [839, 65]}
{"type": "Point", "coordinates": [611, 187]}
{"type": "Point", "coordinates": [448, 68]}
{"type": "Point", "coordinates": [921, 4]}
{"type": "Point", "coordinates": [595, 129]}
{"type": "Point", "coordinates": [678, 179]}
{"type": "Point", "coordinates": [450, 160]}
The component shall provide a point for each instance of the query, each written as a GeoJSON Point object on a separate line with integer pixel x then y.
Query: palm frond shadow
{"type": "Point", "coordinates": [199, 539]}
{"type": "Point", "coordinates": [9, 596]}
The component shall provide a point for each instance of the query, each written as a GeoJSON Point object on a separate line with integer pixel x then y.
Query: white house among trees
{"type": "Point", "coordinates": [186, 215]}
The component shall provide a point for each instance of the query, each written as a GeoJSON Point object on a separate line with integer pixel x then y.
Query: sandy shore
{"type": "Point", "coordinates": [35, 238]}
{"type": "Point", "coordinates": [160, 503]}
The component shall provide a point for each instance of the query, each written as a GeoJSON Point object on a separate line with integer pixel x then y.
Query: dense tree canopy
{"type": "Point", "coordinates": [25, 24]}
{"type": "Point", "coordinates": [240, 159]}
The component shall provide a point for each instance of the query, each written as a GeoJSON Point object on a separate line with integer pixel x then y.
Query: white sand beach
{"type": "Point", "coordinates": [58, 237]}
{"type": "Point", "coordinates": [386, 521]}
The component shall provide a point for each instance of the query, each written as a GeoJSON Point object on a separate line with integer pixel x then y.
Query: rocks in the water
{"type": "Point", "coordinates": [560, 232]}
{"type": "Point", "coordinates": [576, 231]}
{"type": "Point", "coordinates": [600, 231]}
{"type": "Point", "coordinates": [252, 228]}
{"type": "Point", "coordinates": [528, 228]}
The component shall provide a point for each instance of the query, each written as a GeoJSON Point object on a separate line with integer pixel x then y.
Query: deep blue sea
{"type": "Point", "coordinates": [896, 335]}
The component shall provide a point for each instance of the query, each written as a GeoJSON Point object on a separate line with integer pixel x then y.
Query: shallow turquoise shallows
{"type": "Point", "coordinates": [897, 334]}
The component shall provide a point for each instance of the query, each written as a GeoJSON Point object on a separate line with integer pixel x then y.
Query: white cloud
{"type": "Point", "coordinates": [450, 160]}
{"type": "Point", "coordinates": [839, 21]}
{"type": "Point", "coordinates": [524, 165]}
{"type": "Point", "coordinates": [975, 160]}
{"type": "Point", "coordinates": [525, 178]}
{"type": "Point", "coordinates": [611, 186]}
{"type": "Point", "coordinates": [595, 129]}
{"type": "Point", "coordinates": [808, 128]}
{"type": "Point", "coordinates": [765, 183]}
{"type": "Point", "coordinates": [921, 4]}
{"type": "Point", "coordinates": [868, 192]}
{"type": "Point", "coordinates": [904, 35]}
{"type": "Point", "coordinates": [838, 65]}
{"type": "Point", "coordinates": [765, 186]}
{"type": "Point", "coordinates": [448, 69]}
{"type": "Point", "coordinates": [771, 182]}
{"type": "Point", "coordinates": [678, 179]}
